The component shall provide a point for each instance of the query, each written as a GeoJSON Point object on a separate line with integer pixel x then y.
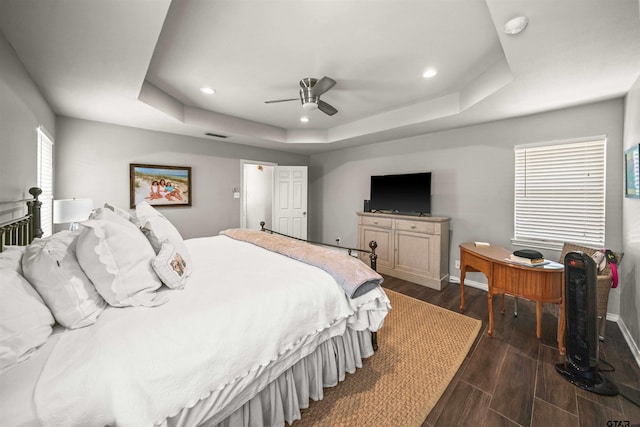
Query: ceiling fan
{"type": "Point", "coordinates": [310, 91]}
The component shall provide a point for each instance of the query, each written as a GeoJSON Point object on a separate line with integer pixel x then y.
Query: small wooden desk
{"type": "Point", "coordinates": [539, 284]}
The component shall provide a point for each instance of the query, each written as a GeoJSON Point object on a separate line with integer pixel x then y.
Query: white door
{"type": "Point", "coordinates": [290, 201]}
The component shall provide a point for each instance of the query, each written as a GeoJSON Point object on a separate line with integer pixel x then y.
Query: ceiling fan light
{"type": "Point", "coordinates": [310, 106]}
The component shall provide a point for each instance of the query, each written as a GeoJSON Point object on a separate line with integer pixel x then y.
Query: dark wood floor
{"type": "Point", "coordinates": [510, 379]}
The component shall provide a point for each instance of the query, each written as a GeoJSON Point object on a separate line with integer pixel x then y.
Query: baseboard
{"type": "Point", "coordinates": [633, 346]}
{"type": "Point", "coordinates": [471, 283]}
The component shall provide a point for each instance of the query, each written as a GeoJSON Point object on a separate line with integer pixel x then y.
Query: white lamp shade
{"type": "Point", "coordinates": [71, 210]}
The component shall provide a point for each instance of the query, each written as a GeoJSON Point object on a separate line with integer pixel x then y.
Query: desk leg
{"type": "Point", "coordinates": [490, 304]}
{"type": "Point", "coordinates": [538, 319]}
{"type": "Point", "coordinates": [561, 328]}
{"type": "Point", "coordinates": [462, 275]}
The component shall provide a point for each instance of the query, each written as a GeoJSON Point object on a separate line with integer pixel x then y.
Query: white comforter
{"type": "Point", "coordinates": [238, 317]}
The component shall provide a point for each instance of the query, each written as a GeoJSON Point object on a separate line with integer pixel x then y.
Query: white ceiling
{"type": "Point", "coordinates": [141, 63]}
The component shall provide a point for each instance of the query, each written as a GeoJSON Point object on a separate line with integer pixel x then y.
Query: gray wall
{"type": "Point", "coordinates": [629, 287]}
{"type": "Point", "coordinates": [22, 110]}
{"type": "Point", "coordinates": [92, 160]}
{"type": "Point", "coordinates": [472, 181]}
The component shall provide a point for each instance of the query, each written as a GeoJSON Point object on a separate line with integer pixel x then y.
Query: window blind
{"type": "Point", "coordinates": [45, 179]}
{"type": "Point", "coordinates": [560, 193]}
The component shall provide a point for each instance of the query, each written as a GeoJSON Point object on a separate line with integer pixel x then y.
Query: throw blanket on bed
{"type": "Point", "coordinates": [355, 277]}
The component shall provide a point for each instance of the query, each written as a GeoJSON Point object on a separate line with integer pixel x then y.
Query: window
{"type": "Point", "coordinates": [560, 193]}
{"type": "Point", "coordinates": [45, 179]}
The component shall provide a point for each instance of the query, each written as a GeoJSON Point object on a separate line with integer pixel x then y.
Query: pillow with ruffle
{"type": "Point", "coordinates": [117, 258]}
{"type": "Point", "coordinates": [159, 230]}
{"type": "Point", "coordinates": [171, 267]}
{"type": "Point", "coordinates": [51, 266]}
{"type": "Point", "coordinates": [25, 321]}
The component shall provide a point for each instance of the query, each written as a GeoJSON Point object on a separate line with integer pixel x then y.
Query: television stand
{"type": "Point", "coordinates": [413, 248]}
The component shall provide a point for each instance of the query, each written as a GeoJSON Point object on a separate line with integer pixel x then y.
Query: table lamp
{"type": "Point", "coordinates": [71, 211]}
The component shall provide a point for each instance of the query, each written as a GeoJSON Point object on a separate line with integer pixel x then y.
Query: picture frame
{"type": "Point", "coordinates": [145, 184]}
{"type": "Point", "coordinates": [632, 172]}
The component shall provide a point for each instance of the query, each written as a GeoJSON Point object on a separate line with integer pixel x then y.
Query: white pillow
{"type": "Point", "coordinates": [159, 230]}
{"type": "Point", "coordinates": [11, 258]}
{"type": "Point", "coordinates": [51, 266]}
{"type": "Point", "coordinates": [171, 267]}
{"type": "Point", "coordinates": [123, 213]}
{"type": "Point", "coordinates": [117, 258]}
{"type": "Point", "coordinates": [25, 322]}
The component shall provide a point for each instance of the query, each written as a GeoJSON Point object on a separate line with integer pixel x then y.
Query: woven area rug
{"type": "Point", "coordinates": [421, 348]}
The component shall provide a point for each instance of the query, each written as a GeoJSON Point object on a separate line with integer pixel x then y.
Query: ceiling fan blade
{"type": "Point", "coordinates": [322, 85]}
{"type": "Point", "coordinates": [281, 100]}
{"type": "Point", "coordinates": [326, 108]}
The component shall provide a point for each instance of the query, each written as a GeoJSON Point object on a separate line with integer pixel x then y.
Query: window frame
{"type": "Point", "coordinates": [574, 211]}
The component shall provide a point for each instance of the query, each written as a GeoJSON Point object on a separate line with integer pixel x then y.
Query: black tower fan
{"type": "Point", "coordinates": [581, 338]}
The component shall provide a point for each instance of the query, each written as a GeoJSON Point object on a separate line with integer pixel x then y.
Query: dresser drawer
{"type": "Point", "coordinates": [417, 226]}
{"type": "Point", "coordinates": [377, 222]}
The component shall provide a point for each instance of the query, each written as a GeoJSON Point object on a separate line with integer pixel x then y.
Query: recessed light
{"type": "Point", "coordinates": [207, 90]}
{"type": "Point", "coordinates": [516, 25]}
{"type": "Point", "coordinates": [304, 119]}
{"type": "Point", "coordinates": [431, 72]}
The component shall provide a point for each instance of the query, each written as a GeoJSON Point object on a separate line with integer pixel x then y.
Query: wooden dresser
{"type": "Point", "coordinates": [409, 247]}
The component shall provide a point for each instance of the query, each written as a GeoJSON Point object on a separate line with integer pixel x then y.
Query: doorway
{"type": "Point", "coordinates": [257, 194]}
{"type": "Point", "coordinates": [276, 195]}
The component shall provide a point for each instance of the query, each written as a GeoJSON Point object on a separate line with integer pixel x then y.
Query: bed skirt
{"type": "Point", "coordinates": [282, 399]}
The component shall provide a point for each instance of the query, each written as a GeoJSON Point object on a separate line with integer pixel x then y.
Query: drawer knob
{"type": "Point", "coordinates": [375, 222]}
{"type": "Point", "coordinates": [413, 227]}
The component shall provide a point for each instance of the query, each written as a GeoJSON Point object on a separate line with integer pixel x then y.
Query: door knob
{"type": "Point", "coordinates": [304, 213]}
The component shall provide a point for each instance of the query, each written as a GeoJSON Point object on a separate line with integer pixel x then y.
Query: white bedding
{"type": "Point", "coordinates": [137, 366]}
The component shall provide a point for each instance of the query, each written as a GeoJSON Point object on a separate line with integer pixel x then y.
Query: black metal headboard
{"type": "Point", "coordinates": [21, 231]}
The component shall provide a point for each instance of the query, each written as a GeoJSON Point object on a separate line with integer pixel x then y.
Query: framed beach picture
{"type": "Point", "coordinates": [632, 172]}
{"type": "Point", "coordinates": [165, 186]}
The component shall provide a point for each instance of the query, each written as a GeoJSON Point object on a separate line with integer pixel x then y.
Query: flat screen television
{"type": "Point", "coordinates": [402, 193]}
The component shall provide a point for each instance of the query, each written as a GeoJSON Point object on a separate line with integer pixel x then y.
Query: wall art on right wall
{"type": "Point", "coordinates": [632, 172]}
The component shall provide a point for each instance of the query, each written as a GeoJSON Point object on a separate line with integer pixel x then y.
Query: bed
{"type": "Point", "coordinates": [123, 322]}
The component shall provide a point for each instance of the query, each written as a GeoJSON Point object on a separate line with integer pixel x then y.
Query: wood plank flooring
{"type": "Point", "coordinates": [510, 379]}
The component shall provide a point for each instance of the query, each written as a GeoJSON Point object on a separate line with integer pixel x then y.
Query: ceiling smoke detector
{"type": "Point", "coordinates": [516, 25]}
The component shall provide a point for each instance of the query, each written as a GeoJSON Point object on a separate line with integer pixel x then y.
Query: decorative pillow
{"type": "Point", "coordinates": [11, 258]}
{"type": "Point", "coordinates": [25, 322]}
{"type": "Point", "coordinates": [159, 230]}
{"type": "Point", "coordinates": [171, 267]}
{"type": "Point", "coordinates": [117, 258]}
{"type": "Point", "coordinates": [51, 266]}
